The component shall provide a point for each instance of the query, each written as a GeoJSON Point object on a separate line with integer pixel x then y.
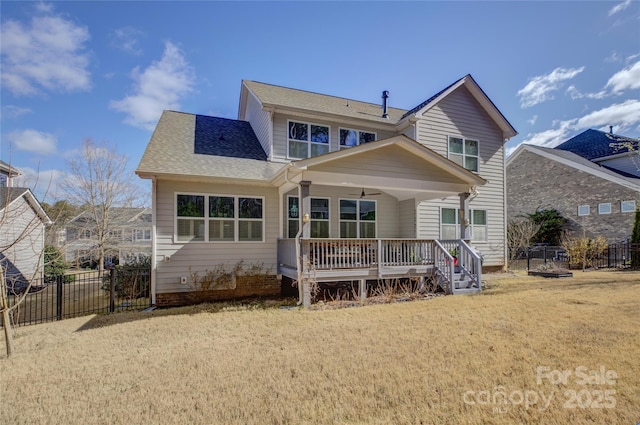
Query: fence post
{"type": "Point", "coordinates": [528, 257]}
{"type": "Point", "coordinates": [112, 290]}
{"type": "Point", "coordinates": [59, 288]}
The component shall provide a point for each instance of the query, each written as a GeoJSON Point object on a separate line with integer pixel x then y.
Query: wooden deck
{"type": "Point", "coordinates": [328, 260]}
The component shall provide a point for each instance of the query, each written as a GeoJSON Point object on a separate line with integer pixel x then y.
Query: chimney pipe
{"type": "Point", "coordinates": [385, 96]}
{"type": "Point", "coordinates": [610, 129]}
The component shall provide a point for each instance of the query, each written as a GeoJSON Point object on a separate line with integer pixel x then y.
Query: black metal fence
{"type": "Point", "coordinates": [79, 294]}
{"type": "Point", "coordinates": [616, 255]}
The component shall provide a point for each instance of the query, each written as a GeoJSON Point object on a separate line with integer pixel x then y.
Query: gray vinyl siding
{"type": "Point", "coordinates": [387, 209]}
{"type": "Point", "coordinates": [22, 233]}
{"type": "Point", "coordinates": [460, 115]}
{"type": "Point", "coordinates": [260, 122]}
{"type": "Point", "coordinates": [407, 218]}
{"type": "Point", "coordinates": [389, 161]}
{"type": "Point", "coordinates": [201, 256]}
{"type": "Point", "coordinates": [281, 140]}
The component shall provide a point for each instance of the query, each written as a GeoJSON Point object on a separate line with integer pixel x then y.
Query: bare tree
{"type": "Point", "coordinates": [22, 228]}
{"type": "Point", "coordinates": [98, 180]}
{"type": "Point", "coordinates": [629, 144]}
{"type": "Point", "coordinates": [520, 232]}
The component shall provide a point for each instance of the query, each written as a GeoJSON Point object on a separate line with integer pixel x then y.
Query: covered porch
{"type": "Point", "coordinates": [352, 215]}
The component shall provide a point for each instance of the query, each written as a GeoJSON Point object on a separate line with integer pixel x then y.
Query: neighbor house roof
{"type": "Point", "coordinates": [189, 146]}
{"type": "Point", "coordinates": [578, 162]}
{"type": "Point", "coordinates": [8, 169]}
{"type": "Point", "coordinates": [279, 97]}
{"type": "Point", "coordinates": [592, 144]}
{"type": "Point", "coordinates": [9, 195]}
{"type": "Point", "coordinates": [121, 216]}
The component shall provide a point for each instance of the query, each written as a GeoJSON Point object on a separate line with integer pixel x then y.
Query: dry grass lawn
{"type": "Point", "coordinates": [448, 360]}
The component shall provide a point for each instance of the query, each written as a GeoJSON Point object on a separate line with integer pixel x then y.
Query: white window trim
{"type": "Point", "coordinates": [471, 225]}
{"type": "Point", "coordinates": [356, 130]}
{"type": "Point", "coordinates": [308, 142]}
{"type": "Point", "coordinates": [207, 219]}
{"type": "Point", "coordinates": [464, 154]}
{"type": "Point", "coordinates": [292, 219]}
{"type": "Point", "coordinates": [135, 234]}
{"type": "Point", "coordinates": [357, 220]}
{"type": "Point", "coordinates": [602, 205]}
{"type": "Point", "coordinates": [328, 220]}
{"type": "Point", "coordinates": [584, 214]}
{"type": "Point", "coordinates": [631, 201]}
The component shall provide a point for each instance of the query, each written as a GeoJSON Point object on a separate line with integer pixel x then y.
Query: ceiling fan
{"type": "Point", "coordinates": [363, 194]}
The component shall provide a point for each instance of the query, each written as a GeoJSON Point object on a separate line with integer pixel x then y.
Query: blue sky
{"type": "Point", "coordinates": [106, 70]}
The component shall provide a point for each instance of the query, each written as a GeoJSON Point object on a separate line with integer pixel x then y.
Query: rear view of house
{"type": "Point", "coordinates": [305, 183]}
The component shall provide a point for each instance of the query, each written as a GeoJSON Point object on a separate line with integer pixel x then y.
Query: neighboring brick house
{"type": "Point", "coordinates": [577, 178]}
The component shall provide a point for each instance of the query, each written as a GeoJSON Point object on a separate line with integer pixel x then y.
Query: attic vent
{"type": "Point", "coordinates": [385, 96]}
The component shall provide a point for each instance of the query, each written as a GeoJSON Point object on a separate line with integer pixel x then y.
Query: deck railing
{"type": "Point", "coordinates": [469, 261]}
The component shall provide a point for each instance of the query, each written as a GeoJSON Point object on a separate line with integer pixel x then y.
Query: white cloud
{"type": "Point", "coordinates": [539, 88]}
{"type": "Point", "coordinates": [628, 78]}
{"type": "Point", "coordinates": [157, 88]}
{"type": "Point", "coordinates": [613, 57]}
{"type": "Point", "coordinates": [619, 7]}
{"type": "Point", "coordinates": [533, 120]}
{"type": "Point", "coordinates": [46, 54]}
{"type": "Point", "coordinates": [43, 183]}
{"type": "Point", "coordinates": [622, 116]}
{"type": "Point", "coordinates": [577, 94]}
{"type": "Point", "coordinates": [127, 39]}
{"type": "Point", "coordinates": [33, 141]}
{"type": "Point", "coordinates": [13, 111]}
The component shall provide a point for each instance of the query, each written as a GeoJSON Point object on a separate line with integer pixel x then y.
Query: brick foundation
{"type": "Point", "coordinates": [246, 287]}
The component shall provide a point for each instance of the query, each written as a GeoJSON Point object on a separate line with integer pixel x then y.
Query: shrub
{"type": "Point", "coordinates": [54, 265]}
{"type": "Point", "coordinates": [582, 251]}
{"type": "Point", "coordinates": [132, 280]}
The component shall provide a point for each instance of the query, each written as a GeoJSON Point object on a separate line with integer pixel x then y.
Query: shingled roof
{"type": "Point", "coordinates": [189, 145]}
{"type": "Point", "coordinates": [591, 144]}
{"type": "Point", "coordinates": [225, 137]}
{"type": "Point", "coordinates": [10, 194]}
{"type": "Point", "coordinates": [310, 102]}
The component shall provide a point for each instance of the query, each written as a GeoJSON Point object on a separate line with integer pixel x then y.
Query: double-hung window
{"type": "Point", "coordinates": [349, 137]}
{"type": "Point", "coordinates": [357, 218]}
{"type": "Point", "coordinates": [307, 140]}
{"type": "Point", "coordinates": [450, 224]}
{"type": "Point", "coordinates": [142, 234]}
{"type": "Point", "coordinates": [228, 218]}
{"type": "Point", "coordinates": [319, 215]}
{"type": "Point", "coordinates": [464, 152]}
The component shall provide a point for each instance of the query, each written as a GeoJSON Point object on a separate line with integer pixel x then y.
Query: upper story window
{"type": "Point", "coordinates": [583, 210]}
{"type": "Point", "coordinates": [604, 208]}
{"type": "Point", "coordinates": [228, 218]}
{"type": "Point", "coordinates": [464, 152]}
{"type": "Point", "coordinates": [627, 206]}
{"type": "Point", "coordinates": [349, 137]}
{"type": "Point", "coordinates": [307, 140]}
{"type": "Point", "coordinates": [142, 234]}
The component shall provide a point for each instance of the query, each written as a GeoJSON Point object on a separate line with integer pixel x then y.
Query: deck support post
{"type": "Point", "coordinates": [306, 294]}
{"type": "Point", "coordinates": [362, 289]}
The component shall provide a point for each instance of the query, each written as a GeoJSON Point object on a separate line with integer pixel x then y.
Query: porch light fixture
{"type": "Point", "coordinates": [306, 218]}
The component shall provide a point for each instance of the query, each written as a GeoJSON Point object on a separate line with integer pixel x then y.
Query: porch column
{"type": "Point", "coordinates": [305, 210]}
{"type": "Point", "coordinates": [465, 231]}
{"type": "Point", "coordinates": [305, 207]}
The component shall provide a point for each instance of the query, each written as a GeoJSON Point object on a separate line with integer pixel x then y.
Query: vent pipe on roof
{"type": "Point", "coordinates": [385, 96]}
{"type": "Point", "coordinates": [610, 129]}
